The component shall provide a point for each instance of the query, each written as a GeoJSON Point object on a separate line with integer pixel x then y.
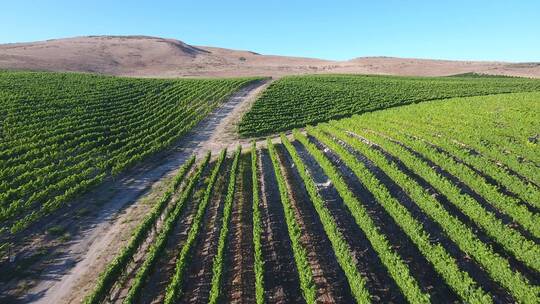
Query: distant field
{"type": "Point", "coordinates": [62, 133]}
{"type": "Point", "coordinates": [296, 101]}
{"type": "Point", "coordinates": [419, 203]}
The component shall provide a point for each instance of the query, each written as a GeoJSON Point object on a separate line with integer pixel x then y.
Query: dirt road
{"type": "Point", "coordinates": [68, 274]}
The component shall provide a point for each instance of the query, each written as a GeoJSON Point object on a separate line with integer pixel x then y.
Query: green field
{"type": "Point", "coordinates": [62, 133]}
{"type": "Point", "coordinates": [444, 194]}
{"type": "Point", "coordinates": [421, 198]}
{"type": "Point", "coordinates": [295, 101]}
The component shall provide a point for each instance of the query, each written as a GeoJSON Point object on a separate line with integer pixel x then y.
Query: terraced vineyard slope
{"type": "Point", "coordinates": [296, 101]}
{"type": "Point", "coordinates": [62, 133]}
{"type": "Point", "coordinates": [427, 203]}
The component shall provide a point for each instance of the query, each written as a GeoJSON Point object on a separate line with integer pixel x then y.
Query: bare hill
{"type": "Point", "coordinates": [151, 56]}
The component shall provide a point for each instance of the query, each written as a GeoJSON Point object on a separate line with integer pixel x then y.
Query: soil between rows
{"type": "Point", "coordinates": [198, 277]}
{"type": "Point", "coordinates": [529, 273]}
{"type": "Point", "coordinates": [239, 275]}
{"type": "Point", "coordinates": [121, 287]}
{"type": "Point", "coordinates": [420, 268]}
{"type": "Point", "coordinates": [379, 283]}
{"type": "Point", "coordinates": [282, 284]}
{"type": "Point", "coordinates": [330, 280]}
{"type": "Point", "coordinates": [465, 262]}
{"type": "Point", "coordinates": [154, 289]}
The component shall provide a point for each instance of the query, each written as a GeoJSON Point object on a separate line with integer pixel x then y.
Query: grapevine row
{"type": "Point", "coordinates": [217, 264]}
{"type": "Point", "coordinates": [73, 131]}
{"type": "Point", "coordinates": [460, 281]}
{"type": "Point", "coordinates": [522, 248]}
{"type": "Point", "coordinates": [341, 249]}
{"type": "Point", "coordinates": [464, 237]}
{"type": "Point", "coordinates": [257, 230]}
{"type": "Point", "coordinates": [173, 291]}
{"type": "Point", "coordinates": [390, 258]}
{"type": "Point", "coordinates": [300, 254]}
{"type": "Point", "coordinates": [506, 204]}
{"type": "Point", "coordinates": [296, 101]}
{"type": "Point", "coordinates": [161, 241]}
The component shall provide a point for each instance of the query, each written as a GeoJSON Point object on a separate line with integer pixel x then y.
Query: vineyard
{"type": "Point", "coordinates": [63, 133]}
{"type": "Point", "coordinates": [433, 202]}
{"type": "Point", "coordinates": [296, 101]}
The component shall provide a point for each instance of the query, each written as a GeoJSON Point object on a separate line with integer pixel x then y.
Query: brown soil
{"type": "Point", "coordinates": [239, 275]}
{"type": "Point", "coordinates": [94, 240]}
{"type": "Point", "coordinates": [143, 56]}
{"type": "Point", "coordinates": [157, 282]}
{"type": "Point", "coordinates": [282, 284]}
{"type": "Point", "coordinates": [378, 281]}
{"type": "Point", "coordinates": [330, 280]}
{"type": "Point", "coordinates": [198, 277]}
{"type": "Point", "coordinates": [121, 287]}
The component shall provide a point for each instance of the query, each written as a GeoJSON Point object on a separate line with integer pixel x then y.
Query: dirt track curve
{"type": "Point", "coordinates": [68, 274]}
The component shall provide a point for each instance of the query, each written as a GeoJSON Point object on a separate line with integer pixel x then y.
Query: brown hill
{"type": "Point", "coordinates": [151, 56]}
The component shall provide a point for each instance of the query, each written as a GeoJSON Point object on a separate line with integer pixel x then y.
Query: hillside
{"type": "Point", "coordinates": [159, 57]}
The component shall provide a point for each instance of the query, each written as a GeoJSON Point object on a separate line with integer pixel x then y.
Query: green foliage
{"type": "Point", "coordinates": [500, 129]}
{"type": "Point", "coordinates": [470, 138]}
{"type": "Point", "coordinates": [480, 75]}
{"type": "Point", "coordinates": [506, 204]}
{"type": "Point", "coordinates": [496, 127]}
{"type": "Point", "coordinates": [63, 133]}
{"type": "Point", "coordinates": [296, 101]}
{"type": "Point", "coordinates": [415, 126]}
{"type": "Point", "coordinates": [443, 263]}
{"type": "Point", "coordinates": [257, 230]}
{"type": "Point", "coordinates": [56, 230]}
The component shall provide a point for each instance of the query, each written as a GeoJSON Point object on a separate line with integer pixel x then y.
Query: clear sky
{"type": "Point", "coordinates": [454, 29]}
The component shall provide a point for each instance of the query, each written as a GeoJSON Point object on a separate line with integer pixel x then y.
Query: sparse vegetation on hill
{"type": "Point", "coordinates": [480, 75]}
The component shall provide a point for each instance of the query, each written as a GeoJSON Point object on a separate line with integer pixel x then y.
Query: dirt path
{"type": "Point", "coordinates": [67, 273]}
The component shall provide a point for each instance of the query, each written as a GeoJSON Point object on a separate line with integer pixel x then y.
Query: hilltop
{"type": "Point", "coordinates": [144, 56]}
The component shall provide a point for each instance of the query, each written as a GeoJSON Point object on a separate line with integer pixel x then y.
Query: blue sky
{"type": "Point", "coordinates": [475, 30]}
